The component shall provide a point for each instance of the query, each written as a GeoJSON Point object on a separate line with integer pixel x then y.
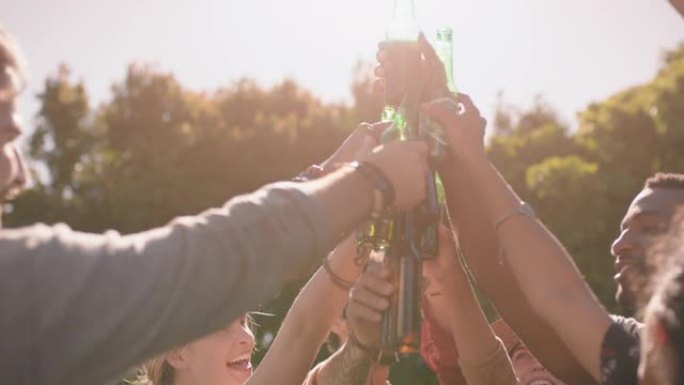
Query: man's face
{"type": "Point", "coordinates": [647, 219]}
{"type": "Point", "coordinates": [12, 171]}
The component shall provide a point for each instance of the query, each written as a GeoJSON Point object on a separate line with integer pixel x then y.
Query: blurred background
{"type": "Point", "coordinates": [141, 110]}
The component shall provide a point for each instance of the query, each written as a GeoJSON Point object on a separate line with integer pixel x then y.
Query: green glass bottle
{"type": "Point", "coordinates": [445, 52]}
{"type": "Point", "coordinates": [444, 48]}
{"type": "Point", "coordinates": [401, 322]}
{"type": "Point", "coordinates": [401, 46]}
{"type": "Point", "coordinates": [444, 90]}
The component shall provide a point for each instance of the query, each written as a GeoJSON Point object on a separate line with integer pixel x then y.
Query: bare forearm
{"type": "Point", "coordinates": [309, 320]}
{"type": "Point", "coordinates": [478, 240]}
{"type": "Point", "coordinates": [540, 264]}
{"type": "Point", "coordinates": [543, 269]}
{"type": "Point", "coordinates": [469, 327]}
{"type": "Point", "coordinates": [345, 196]}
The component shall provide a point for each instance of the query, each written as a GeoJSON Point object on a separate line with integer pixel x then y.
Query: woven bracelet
{"type": "Point", "coordinates": [336, 279]}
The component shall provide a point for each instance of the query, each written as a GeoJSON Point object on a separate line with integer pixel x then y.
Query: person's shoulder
{"type": "Point", "coordinates": [34, 231]}
{"type": "Point", "coordinates": [38, 236]}
{"type": "Point", "coordinates": [630, 325]}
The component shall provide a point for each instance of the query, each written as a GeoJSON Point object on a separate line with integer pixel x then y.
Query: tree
{"type": "Point", "coordinates": [157, 150]}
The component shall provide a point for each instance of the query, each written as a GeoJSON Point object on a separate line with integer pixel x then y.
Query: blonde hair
{"type": "Point", "coordinates": [156, 371]}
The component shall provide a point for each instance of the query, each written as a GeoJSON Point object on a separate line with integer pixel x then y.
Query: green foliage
{"type": "Point", "coordinates": [581, 183]}
{"type": "Point", "coordinates": [156, 150]}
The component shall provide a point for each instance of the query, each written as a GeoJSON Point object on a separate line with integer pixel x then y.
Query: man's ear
{"type": "Point", "coordinates": [177, 358]}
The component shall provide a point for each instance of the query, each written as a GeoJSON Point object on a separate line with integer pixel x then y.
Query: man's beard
{"type": "Point", "coordinates": [633, 290]}
{"type": "Point", "coordinates": [626, 300]}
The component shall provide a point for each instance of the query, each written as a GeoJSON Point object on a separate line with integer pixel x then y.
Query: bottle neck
{"type": "Point", "coordinates": [444, 48]}
{"type": "Point", "coordinates": [403, 26]}
{"type": "Point", "coordinates": [403, 9]}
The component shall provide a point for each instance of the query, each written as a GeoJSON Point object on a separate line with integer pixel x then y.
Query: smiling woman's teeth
{"type": "Point", "coordinates": [241, 362]}
{"type": "Point", "coordinates": [540, 382]}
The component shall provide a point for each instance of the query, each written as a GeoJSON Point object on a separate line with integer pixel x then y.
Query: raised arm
{"type": "Point", "coordinates": [480, 243]}
{"type": "Point", "coordinates": [452, 306]}
{"type": "Point", "coordinates": [493, 275]}
{"type": "Point", "coordinates": [117, 300]}
{"type": "Point", "coordinates": [543, 269]}
{"type": "Point", "coordinates": [310, 318]}
{"type": "Point", "coordinates": [355, 361]}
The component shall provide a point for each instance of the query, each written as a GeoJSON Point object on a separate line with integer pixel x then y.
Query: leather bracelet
{"type": "Point", "coordinates": [338, 281]}
{"type": "Point", "coordinates": [381, 185]}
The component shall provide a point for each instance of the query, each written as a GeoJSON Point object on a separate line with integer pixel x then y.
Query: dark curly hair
{"type": "Point", "coordinates": [665, 180]}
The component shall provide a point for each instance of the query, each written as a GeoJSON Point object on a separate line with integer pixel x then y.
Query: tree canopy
{"type": "Point", "coordinates": [156, 150]}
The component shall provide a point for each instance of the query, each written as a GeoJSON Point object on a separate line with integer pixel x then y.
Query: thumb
{"type": "Point", "coordinates": [377, 129]}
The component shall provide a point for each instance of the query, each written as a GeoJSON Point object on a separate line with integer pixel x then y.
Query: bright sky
{"type": "Point", "coordinates": [571, 51]}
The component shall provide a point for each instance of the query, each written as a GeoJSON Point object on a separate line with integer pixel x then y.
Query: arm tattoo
{"type": "Point", "coordinates": [348, 366]}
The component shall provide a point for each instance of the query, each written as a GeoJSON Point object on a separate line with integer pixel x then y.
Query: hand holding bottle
{"type": "Point", "coordinates": [359, 143]}
{"type": "Point", "coordinates": [404, 164]}
{"type": "Point", "coordinates": [370, 297]}
{"type": "Point", "coordinates": [431, 79]}
{"type": "Point", "coordinates": [464, 127]}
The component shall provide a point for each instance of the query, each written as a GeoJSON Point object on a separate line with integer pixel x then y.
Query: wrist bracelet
{"type": "Point", "coordinates": [383, 189]}
{"type": "Point", "coordinates": [523, 209]}
{"type": "Point", "coordinates": [338, 281]}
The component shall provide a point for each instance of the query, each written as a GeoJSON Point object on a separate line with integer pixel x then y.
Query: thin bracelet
{"type": "Point", "coordinates": [523, 208]}
{"type": "Point", "coordinates": [334, 278]}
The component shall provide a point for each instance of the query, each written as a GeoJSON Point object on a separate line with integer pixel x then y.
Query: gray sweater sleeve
{"type": "Point", "coordinates": [83, 308]}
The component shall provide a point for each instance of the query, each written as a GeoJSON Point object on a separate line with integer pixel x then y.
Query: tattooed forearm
{"type": "Point", "coordinates": [348, 366]}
